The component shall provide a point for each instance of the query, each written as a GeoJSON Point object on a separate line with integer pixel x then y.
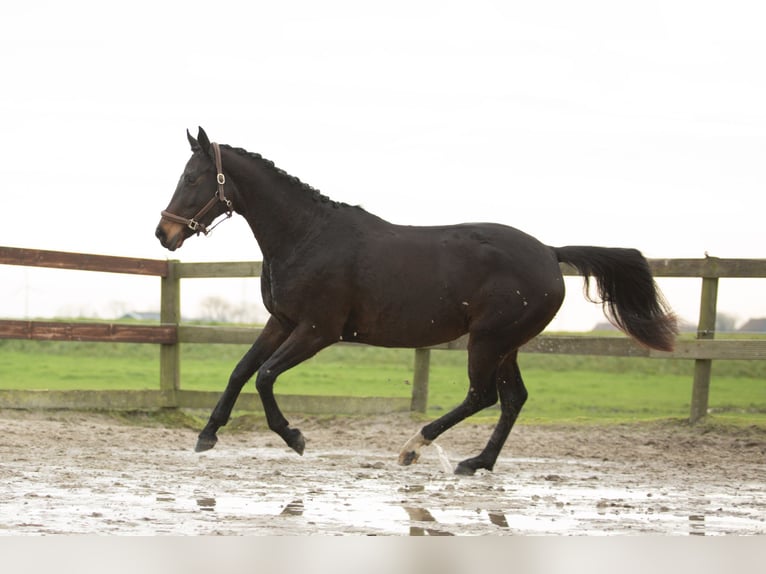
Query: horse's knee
{"type": "Point", "coordinates": [264, 382]}
{"type": "Point", "coordinates": [240, 375]}
{"type": "Point", "coordinates": [517, 397]}
{"type": "Point", "coordinates": [485, 399]}
{"type": "Point", "coordinates": [489, 400]}
{"type": "Point", "coordinates": [522, 396]}
{"type": "Point", "coordinates": [512, 390]}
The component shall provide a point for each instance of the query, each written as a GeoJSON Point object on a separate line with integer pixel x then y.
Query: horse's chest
{"type": "Point", "coordinates": [267, 287]}
{"type": "Point", "coordinates": [286, 288]}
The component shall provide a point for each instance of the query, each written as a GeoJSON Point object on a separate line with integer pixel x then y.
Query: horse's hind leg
{"type": "Point", "coordinates": [269, 340]}
{"type": "Point", "coordinates": [483, 358]}
{"type": "Point", "coordinates": [513, 395]}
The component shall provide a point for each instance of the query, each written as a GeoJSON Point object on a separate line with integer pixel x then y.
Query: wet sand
{"type": "Point", "coordinates": [65, 473]}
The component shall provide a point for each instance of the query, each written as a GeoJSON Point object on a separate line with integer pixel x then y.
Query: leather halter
{"type": "Point", "coordinates": [194, 223]}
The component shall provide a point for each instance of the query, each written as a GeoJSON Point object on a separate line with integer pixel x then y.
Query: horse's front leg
{"type": "Point", "coordinates": [272, 336]}
{"type": "Point", "coordinates": [303, 343]}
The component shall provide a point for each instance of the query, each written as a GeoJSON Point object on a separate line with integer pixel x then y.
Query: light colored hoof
{"type": "Point", "coordinates": [411, 450]}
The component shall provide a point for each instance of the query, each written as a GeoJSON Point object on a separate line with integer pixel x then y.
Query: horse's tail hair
{"type": "Point", "coordinates": [631, 299]}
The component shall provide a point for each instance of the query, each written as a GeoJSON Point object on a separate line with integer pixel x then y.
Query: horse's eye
{"type": "Point", "coordinates": [190, 178]}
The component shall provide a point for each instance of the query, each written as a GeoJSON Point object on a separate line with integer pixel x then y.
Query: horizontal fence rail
{"type": "Point", "coordinates": [171, 333]}
{"type": "Point", "coordinates": [82, 261]}
{"type": "Point", "coordinates": [61, 331]}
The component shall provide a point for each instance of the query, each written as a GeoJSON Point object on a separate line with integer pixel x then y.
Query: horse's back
{"type": "Point", "coordinates": [463, 255]}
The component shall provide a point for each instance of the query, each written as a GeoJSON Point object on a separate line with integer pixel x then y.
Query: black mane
{"type": "Point", "coordinates": [316, 195]}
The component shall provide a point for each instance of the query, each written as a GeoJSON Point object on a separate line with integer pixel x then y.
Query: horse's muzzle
{"type": "Point", "coordinates": [169, 239]}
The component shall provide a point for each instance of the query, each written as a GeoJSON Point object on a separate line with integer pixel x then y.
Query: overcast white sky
{"type": "Point", "coordinates": [638, 124]}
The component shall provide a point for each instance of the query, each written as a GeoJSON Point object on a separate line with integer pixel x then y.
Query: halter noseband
{"type": "Point", "coordinates": [194, 222]}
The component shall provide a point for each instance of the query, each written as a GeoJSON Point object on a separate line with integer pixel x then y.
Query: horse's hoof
{"type": "Point", "coordinates": [409, 457]}
{"type": "Point", "coordinates": [205, 443]}
{"type": "Point", "coordinates": [296, 441]}
{"type": "Point", "coordinates": [469, 466]}
{"type": "Point", "coordinates": [465, 470]}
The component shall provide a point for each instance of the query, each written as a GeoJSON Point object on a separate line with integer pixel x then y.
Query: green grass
{"type": "Point", "coordinates": [562, 388]}
{"type": "Point", "coordinates": [86, 366]}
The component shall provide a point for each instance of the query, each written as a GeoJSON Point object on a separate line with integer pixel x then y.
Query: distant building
{"type": "Point", "coordinates": [142, 315]}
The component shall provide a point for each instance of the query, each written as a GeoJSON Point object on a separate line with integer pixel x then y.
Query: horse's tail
{"type": "Point", "coordinates": [626, 289]}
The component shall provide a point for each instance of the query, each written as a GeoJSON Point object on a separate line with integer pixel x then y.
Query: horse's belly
{"type": "Point", "coordinates": [406, 340]}
{"type": "Point", "coordinates": [407, 325]}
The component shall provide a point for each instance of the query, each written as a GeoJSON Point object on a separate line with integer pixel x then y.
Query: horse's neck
{"type": "Point", "coordinates": [279, 211]}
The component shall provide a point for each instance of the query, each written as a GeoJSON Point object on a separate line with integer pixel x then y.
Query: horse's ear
{"type": "Point", "coordinates": [192, 142]}
{"type": "Point", "coordinates": [203, 140]}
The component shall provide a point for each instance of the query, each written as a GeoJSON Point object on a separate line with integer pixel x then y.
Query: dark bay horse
{"type": "Point", "coordinates": [333, 272]}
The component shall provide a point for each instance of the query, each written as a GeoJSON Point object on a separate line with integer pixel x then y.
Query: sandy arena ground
{"type": "Point", "coordinates": [87, 473]}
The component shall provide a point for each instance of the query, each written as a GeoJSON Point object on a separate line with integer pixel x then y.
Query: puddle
{"type": "Point", "coordinates": [391, 501]}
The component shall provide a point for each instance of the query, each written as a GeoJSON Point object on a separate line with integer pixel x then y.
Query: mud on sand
{"type": "Point", "coordinates": [64, 472]}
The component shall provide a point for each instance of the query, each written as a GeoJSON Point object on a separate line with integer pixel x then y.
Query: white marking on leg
{"type": "Point", "coordinates": [411, 450]}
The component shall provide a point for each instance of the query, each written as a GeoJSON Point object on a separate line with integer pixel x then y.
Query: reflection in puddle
{"type": "Point", "coordinates": [419, 514]}
{"type": "Point", "coordinates": [434, 508]}
{"type": "Point", "coordinates": [419, 531]}
{"type": "Point", "coordinates": [697, 525]}
{"type": "Point", "coordinates": [206, 504]}
{"type": "Point", "coordinates": [498, 519]}
{"type": "Point", "coordinates": [383, 501]}
{"type": "Point", "coordinates": [423, 515]}
{"type": "Point", "coordinates": [295, 508]}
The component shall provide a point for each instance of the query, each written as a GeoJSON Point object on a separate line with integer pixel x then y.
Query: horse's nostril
{"type": "Point", "coordinates": [159, 234]}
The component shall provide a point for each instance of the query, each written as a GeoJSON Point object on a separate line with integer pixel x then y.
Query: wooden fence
{"type": "Point", "coordinates": [171, 332]}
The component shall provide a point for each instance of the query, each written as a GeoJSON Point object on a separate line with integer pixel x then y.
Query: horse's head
{"type": "Point", "coordinates": [199, 197]}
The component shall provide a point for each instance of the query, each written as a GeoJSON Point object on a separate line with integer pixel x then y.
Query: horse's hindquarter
{"type": "Point", "coordinates": [418, 286]}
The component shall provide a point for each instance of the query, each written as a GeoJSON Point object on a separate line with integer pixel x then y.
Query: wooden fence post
{"type": "Point", "coordinates": [170, 313]}
{"type": "Point", "coordinates": [703, 367]}
{"type": "Point", "coordinates": [420, 380]}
